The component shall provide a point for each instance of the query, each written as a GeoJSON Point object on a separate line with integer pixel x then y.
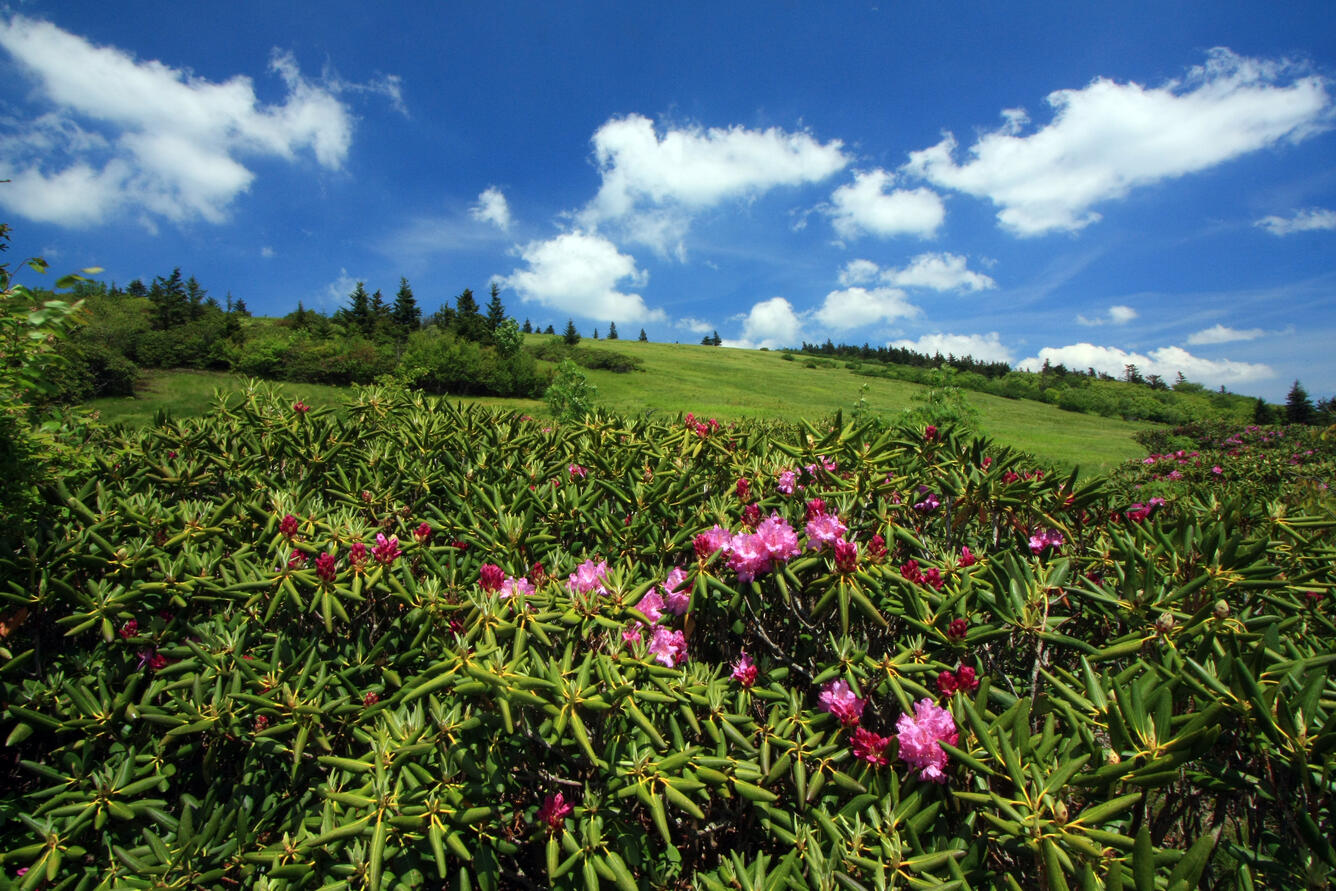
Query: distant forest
{"type": "Point", "coordinates": [471, 349]}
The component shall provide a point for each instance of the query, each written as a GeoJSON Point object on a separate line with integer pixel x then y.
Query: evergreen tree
{"type": "Point", "coordinates": [1262, 413]}
{"type": "Point", "coordinates": [572, 336]}
{"type": "Point", "coordinates": [595, 334]}
{"type": "Point", "coordinates": [643, 337]}
{"type": "Point", "coordinates": [195, 297]}
{"type": "Point", "coordinates": [496, 313]}
{"type": "Point", "coordinates": [550, 330]}
{"type": "Point", "coordinates": [469, 321]}
{"type": "Point", "coordinates": [240, 308]}
{"type": "Point", "coordinates": [171, 306]}
{"type": "Point", "coordinates": [358, 312]}
{"type": "Point", "coordinates": [406, 315]}
{"type": "Point", "coordinates": [380, 312]}
{"type": "Point", "coordinates": [527, 328]}
{"type": "Point", "coordinates": [612, 331]}
{"type": "Point", "coordinates": [717, 341]}
{"type": "Point", "coordinates": [136, 289]}
{"type": "Point", "coordinates": [1298, 407]}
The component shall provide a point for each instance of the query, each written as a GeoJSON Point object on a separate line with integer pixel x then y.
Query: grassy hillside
{"type": "Point", "coordinates": [721, 383]}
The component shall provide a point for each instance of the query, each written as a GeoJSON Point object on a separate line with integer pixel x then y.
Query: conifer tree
{"type": "Point", "coordinates": [550, 330]}
{"type": "Point", "coordinates": [612, 331]}
{"type": "Point", "coordinates": [527, 328]}
{"type": "Point", "coordinates": [407, 316]}
{"type": "Point", "coordinates": [1298, 407]}
{"type": "Point", "coordinates": [469, 321]}
{"type": "Point", "coordinates": [496, 312]}
{"type": "Point", "coordinates": [572, 335]}
{"type": "Point", "coordinates": [643, 337]}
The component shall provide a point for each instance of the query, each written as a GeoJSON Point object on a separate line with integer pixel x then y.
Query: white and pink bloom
{"type": "Point", "coordinates": [588, 576]}
{"type": "Point", "coordinates": [824, 529]}
{"type": "Point", "coordinates": [668, 647]}
{"type": "Point", "coordinates": [919, 737]}
{"type": "Point", "coordinates": [839, 699]}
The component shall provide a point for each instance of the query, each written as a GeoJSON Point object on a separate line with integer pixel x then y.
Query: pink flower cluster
{"type": "Point", "coordinates": [870, 746]}
{"type": "Point", "coordinates": [838, 698]}
{"type": "Point", "coordinates": [919, 737]}
{"type": "Point", "coordinates": [588, 576]}
{"type": "Point", "coordinates": [961, 680]}
{"type": "Point", "coordinates": [386, 550]}
{"type": "Point", "coordinates": [1045, 539]}
{"type": "Point", "coordinates": [744, 670]}
{"type": "Point", "coordinates": [932, 576]}
{"type": "Point", "coordinates": [788, 481]}
{"type": "Point", "coordinates": [554, 811]}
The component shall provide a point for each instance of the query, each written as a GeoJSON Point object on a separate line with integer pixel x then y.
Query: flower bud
{"type": "Point", "coordinates": [1221, 610]}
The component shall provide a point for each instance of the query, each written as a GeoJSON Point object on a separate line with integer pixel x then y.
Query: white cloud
{"type": "Point", "coordinates": [1221, 334]}
{"type": "Point", "coordinates": [141, 136]}
{"type": "Point", "coordinates": [578, 273]}
{"type": "Point", "coordinates": [938, 272]}
{"type": "Point", "coordinates": [856, 307]}
{"type": "Point", "coordinates": [492, 208]}
{"type": "Point", "coordinates": [695, 326]}
{"type": "Point", "coordinates": [1313, 218]}
{"type": "Point", "coordinates": [770, 323]}
{"type": "Point", "coordinates": [864, 206]}
{"type": "Point", "coordinates": [652, 183]}
{"type": "Point", "coordinates": [336, 293]}
{"type": "Point", "coordinates": [1116, 315]}
{"type": "Point", "coordinates": [268, 252]}
{"type": "Point", "coordinates": [984, 347]}
{"type": "Point", "coordinates": [859, 272]}
{"type": "Point", "coordinates": [1108, 138]}
{"type": "Point", "coordinates": [1165, 361]}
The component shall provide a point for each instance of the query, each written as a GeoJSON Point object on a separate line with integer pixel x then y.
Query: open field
{"type": "Point", "coordinates": [715, 382]}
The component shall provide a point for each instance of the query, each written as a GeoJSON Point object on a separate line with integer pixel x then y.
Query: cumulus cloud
{"type": "Point", "coordinates": [139, 135]}
{"type": "Point", "coordinates": [1167, 362]}
{"type": "Point", "coordinates": [1116, 315]}
{"type": "Point", "coordinates": [856, 307]}
{"type": "Point", "coordinates": [652, 182]}
{"type": "Point", "coordinates": [864, 206]}
{"type": "Point", "coordinates": [984, 347]}
{"type": "Point", "coordinates": [859, 272]}
{"type": "Point", "coordinates": [1308, 220]}
{"type": "Point", "coordinates": [492, 208]}
{"type": "Point", "coordinates": [1108, 138]}
{"type": "Point", "coordinates": [694, 325]}
{"type": "Point", "coordinates": [579, 273]}
{"type": "Point", "coordinates": [938, 272]}
{"type": "Point", "coordinates": [1221, 334]}
{"type": "Point", "coordinates": [770, 323]}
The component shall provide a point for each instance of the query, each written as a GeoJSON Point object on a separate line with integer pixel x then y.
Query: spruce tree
{"type": "Point", "coordinates": [527, 328]}
{"type": "Point", "coordinates": [496, 313]}
{"type": "Point", "coordinates": [469, 321]}
{"type": "Point", "coordinates": [407, 315]}
{"type": "Point", "coordinates": [612, 331]}
{"type": "Point", "coordinates": [550, 330]}
{"type": "Point", "coordinates": [572, 335]}
{"type": "Point", "coordinates": [1298, 407]}
{"type": "Point", "coordinates": [643, 337]}
{"type": "Point", "coordinates": [357, 314]}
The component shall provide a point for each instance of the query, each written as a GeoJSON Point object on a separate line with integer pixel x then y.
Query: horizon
{"type": "Point", "coordinates": [1094, 188]}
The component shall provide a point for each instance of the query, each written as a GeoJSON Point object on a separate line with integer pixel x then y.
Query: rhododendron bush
{"type": "Point", "coordinates": [415, 644]}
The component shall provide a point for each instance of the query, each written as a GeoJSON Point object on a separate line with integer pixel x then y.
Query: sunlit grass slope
{"type": "Point", "coordinates": [722, 383]}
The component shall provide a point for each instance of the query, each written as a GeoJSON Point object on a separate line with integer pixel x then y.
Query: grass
{"type": "Point", "coordinates": [715, 382]}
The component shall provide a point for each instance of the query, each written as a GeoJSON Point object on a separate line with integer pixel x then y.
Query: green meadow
{"type": "Point", "coordinates": [712, 382]}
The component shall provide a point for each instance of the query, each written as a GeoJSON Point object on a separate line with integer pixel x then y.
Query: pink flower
{"type": "Point", "coordinates": [651, 606]}
{"type": "Point", "coordinates": [876, 548]}
{"type": "Point", "coordinates": [919, 737]}
{"type": "Point", "coordinates": [422, 533]}
{"type": "Point", "coordinates": [787, 482]}
{"type": "Point", "coordinates": [326, 567]}
{"type": "Point", "coordinates": [778, 537]}
{"type": "Point", "coordinates": [669, 647]}
{"type": "Point", "coordinates": [929, 503]}
{"type": "Point", "coordinates": [554, 811]}
{"type": "Point", "coordinates": [986, 463]}
{"type": "Point", "coordinates": [386, 550]}
{"type": "Point", "coordinates": [300, 407]}
{"type": "Point", "coordinates": [966, 558]}
{"type": "Point", "coordinates": [632, 633]}
{"type": "Point", "coordinates": [708, 542]}
{"type": "Point", "coordinates": [1045, 539]}
{"type": "Point", "coordinates": [510, 586]}
{"type": "Point", "coordinates": [815, 507]}
{"type": "Point", "coordinates": [577, 472]}
{"type": "Point", "coordinates": [588, 576]}
{"type": "Point", "coordinates": [957, 630]}
{"type": "Point", "coordinates": [933, 576]}
{"type": "Point", "coordinates": [846, 556]}
{"type": "Point", "coordinates": [751, 516]}
{"type": "Point", "coordinates": [296, 560]}
{"type": "Point", "coordinates": [743, 489]}
{"type": "Point", "coordinates": [870, 746]}
{"type": "Point", "coordinates": [910, 571]}
{"type": "Point", "coordinates": [966, 682]}
{"type": "Point", "coordinates": [675, 600]}
{"type": "Point", "coordinates": [491, 577]}
{"type": "Point", "coordinates": [929, 433]}
{"type": "Point", "coordinates": [288, 525]}
{"type": "Point", "coordinates": [1010, 476]}
{"type": "Point", "coordinates": [357, 554]}
{"type": "Point", "coordinates": [824, 529]}
{"type": "Point", "coordinates": [838, 699]}
{"type": "Point", "coordinates": [130, 629]}
{"type": "Point", "coordinates": [744, 670]}
{"type": "Point", "coordinates": [748, 556]}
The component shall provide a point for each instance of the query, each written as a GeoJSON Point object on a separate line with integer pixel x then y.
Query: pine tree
{"type": "Point", "coordinates": [380, 313]}
{"type": "Point", "coordinates": [612, 331]}
{"type": "Point", "coordinates": [195, 297]}
{"type": "Point", "coordinates": [358, 312]}
{"type": "Point", "coordinates": [527, 327]}
{"type": "Point", "coordinates": [1261, 412]}
{"type": "Point", "coordinates": [496, 313]}
{"type": "Point", "coordinates": [469, 321]}
{"type": "Point", "coordinates": [550, 330]}
{"type": "Point", "coordinates": [407, 316]}
{"type": "Point", "coordinates": [171, 306]}
{"type": "Point", "coordinates": [572, 335]}
{"type": "Point", "coordinates": [717, 340]}
{"type": "Point", "coordinates": [240, 308]}
{"type": "Point", "coordinates": [643, 337]}
{"type": "Point", "coordinates": [1298, 407]}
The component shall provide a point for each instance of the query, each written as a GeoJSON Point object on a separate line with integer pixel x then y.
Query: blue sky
{"type": "Point", "coordinates": [1094, 184]}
